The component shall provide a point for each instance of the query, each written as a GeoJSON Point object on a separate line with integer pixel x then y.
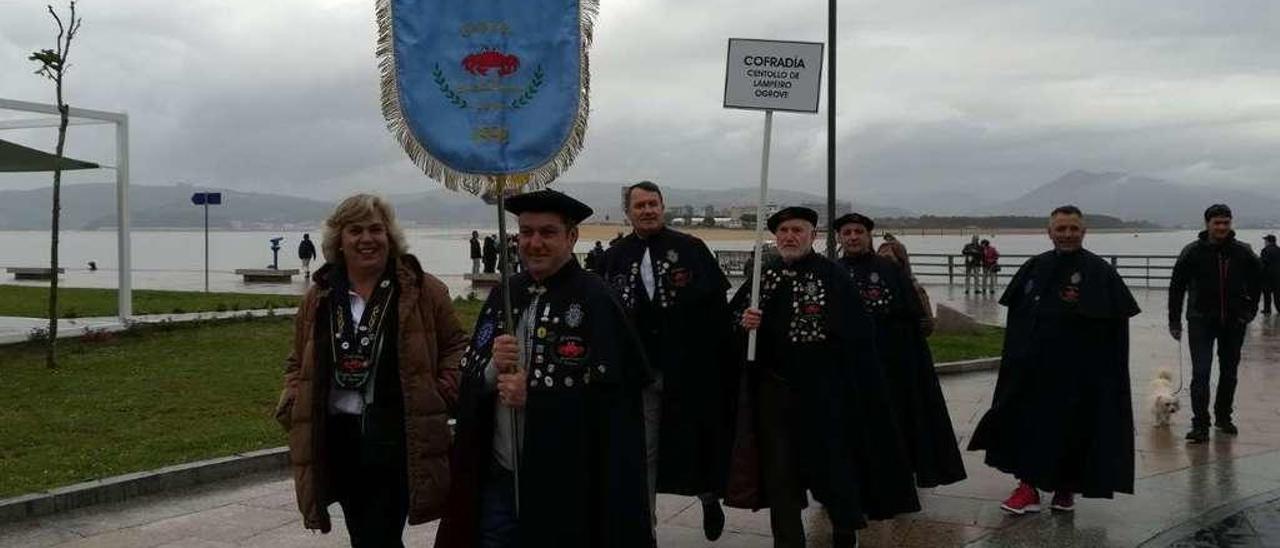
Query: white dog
{"type": "Point", "coordinates": [1163, 403]}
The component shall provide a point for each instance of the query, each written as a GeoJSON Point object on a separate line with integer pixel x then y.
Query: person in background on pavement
{"type": "Point", "coordinates": [890, 298]}
{"type": "Point", "coordinates": [675, 293]}
{"type": "Point", "coordinates": [553, 404]}
{"type": "Point", "coordinates": [369, 381]}
{"type": "Point", "coordinates": [1270, 274]}
{"type": "Point", "coordinates": [594, 256]}
{"type": "Point", "coordinates": [93, 266]}
{"type": "Point", "coordinates": [990, 267]}
{"type": "Point", "coordinates": [476, 256]}
{"type": "Point", "coordinates": [490, 253]}
{"type": "Point", "coordinates": [513, 254]}
{"type": "Point", "coordinates": [1222, 280]}
{"type": "Point", "coordinates": [1061, 418]}
{"type": "Point", "coordinates": [972, 253]}
{"type": "Point", "coordinates": [306, 252]}
{"type": "Point", "coordinates": [812, 405]}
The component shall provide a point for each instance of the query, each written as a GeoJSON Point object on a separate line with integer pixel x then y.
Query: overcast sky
{"type": "Point", "coordinates": [975, 100]}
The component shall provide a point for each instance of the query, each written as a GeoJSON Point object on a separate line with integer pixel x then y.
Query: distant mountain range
{"type": "Point", "coordinates": [1128, 197]}
{"type": "Point", "coordinates": [92, 206]}
{"type": "Point", "coordinates": [1134, 198]}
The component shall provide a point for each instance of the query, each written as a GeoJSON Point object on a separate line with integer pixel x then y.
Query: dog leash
{"type": "Point", "coordinates": [1179, 390]}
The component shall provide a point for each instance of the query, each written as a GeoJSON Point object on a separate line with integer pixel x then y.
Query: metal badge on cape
{"type": "Point", "coordinates": [478, 90]}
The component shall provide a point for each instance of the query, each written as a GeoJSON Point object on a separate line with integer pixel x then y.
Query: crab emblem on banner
{"type": "Point", "coordinates": [489, 93]}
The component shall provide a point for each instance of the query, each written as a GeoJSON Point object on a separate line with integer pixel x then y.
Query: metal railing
{"type": "Point", "coordinates": [1132, 267]}
{"type": "Point", "coordinates": [1147, 270]}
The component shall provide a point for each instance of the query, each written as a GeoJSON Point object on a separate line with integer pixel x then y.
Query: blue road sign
{"type": "Point", "coordinates": [209, 198]}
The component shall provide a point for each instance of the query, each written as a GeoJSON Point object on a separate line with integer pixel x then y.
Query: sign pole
{"type": "Point", "coordinates": [831, 129]}
{"type": "Point", "coordinates": [759, 255]}
{"type": "Point", "coordinates": [206, 246]}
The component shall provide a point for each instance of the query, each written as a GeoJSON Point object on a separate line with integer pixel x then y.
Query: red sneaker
{"type": "Point", "coordinates": [1063, 502]}
{"type": "Point", "coordinates": [1024, 498]}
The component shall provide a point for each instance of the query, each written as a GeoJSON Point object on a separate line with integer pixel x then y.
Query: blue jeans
{"type": "Point", "coordinates": [1201, 336]}
{"type": "Point", "coordinates": [498, 521]}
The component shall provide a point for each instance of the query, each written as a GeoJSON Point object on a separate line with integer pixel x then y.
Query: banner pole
{"type": "Point", "coordinates": [759, 255]}
{"type": "Point", "coordinates": [505, 266]}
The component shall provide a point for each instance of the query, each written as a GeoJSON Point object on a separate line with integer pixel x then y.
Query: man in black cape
{"type": "Point", "coordinates": [1270, 257]}
{"type": "Point", "coordinates": [814, 412]}
{"type": "Point", "coordinates": [1060, 419]}
{"type": "Point", "coordinates": [574, 378]}
{"type": "Point", "coordinates": [891, 299]}
{"type": "Point", "coordinates": [675, 291]}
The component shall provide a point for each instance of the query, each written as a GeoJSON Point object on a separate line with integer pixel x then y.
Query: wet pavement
{"type": "Point", "coordinates": [1219, 492]}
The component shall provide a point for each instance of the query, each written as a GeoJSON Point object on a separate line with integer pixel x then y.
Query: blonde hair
{"type": "Point", "coordinates": [358, 208]}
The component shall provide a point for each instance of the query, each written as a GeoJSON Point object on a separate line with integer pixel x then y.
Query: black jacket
{"type": "Point", "coordinates": [306, 250]}
{"type": "Point", "coordinates": [1223, 281]}
{"type": "Point", "coordinates": [1271, 262]}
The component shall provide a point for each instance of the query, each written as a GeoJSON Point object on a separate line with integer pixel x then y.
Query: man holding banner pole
{"type": "Point", "coordinates": [489, 98]}
{"type": "Point", "coordinates": [574, 367]}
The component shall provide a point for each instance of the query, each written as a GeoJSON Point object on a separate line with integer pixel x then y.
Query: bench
{"type": "Point", "coordinates": [267, 275]}
{"type": "Point", "coordinates": [33, 272]}
{"type": "Point", "coordinates": [483, 279]}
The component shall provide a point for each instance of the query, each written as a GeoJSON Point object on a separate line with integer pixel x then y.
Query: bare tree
{"type": "Point", "coordinates": [53, 65]}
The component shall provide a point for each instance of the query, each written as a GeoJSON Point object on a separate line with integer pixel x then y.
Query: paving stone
{"type": "Point", "coordinates": [1177, 485]}
{"type": "Point", "coordinates": [229, 523]}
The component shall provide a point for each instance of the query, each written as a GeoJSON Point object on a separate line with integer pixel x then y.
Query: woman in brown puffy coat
{"type": "Point", "coordinates": [370, 380]}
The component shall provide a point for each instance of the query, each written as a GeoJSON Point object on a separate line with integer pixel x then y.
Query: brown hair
{"type": "Point", "coordinates": [357, 208]}
{"type": "Point", "coordinates": [898, 252]}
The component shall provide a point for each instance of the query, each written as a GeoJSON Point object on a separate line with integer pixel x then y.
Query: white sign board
{"type": "Point", "coordinates": [773, 75]}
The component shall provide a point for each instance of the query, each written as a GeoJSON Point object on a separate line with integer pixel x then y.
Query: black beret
{"type": "Point", "coordinates": [789, 213]}
{"type": "Point", "coordinates": [854, 218]}
{"type": "Point", "coordinates": [1269, 237]}
{"type": "Point", "coordinates": [549, 201]}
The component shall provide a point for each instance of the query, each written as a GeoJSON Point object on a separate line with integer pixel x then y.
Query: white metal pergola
{"type": "Point", "coordinates": [80, 116]}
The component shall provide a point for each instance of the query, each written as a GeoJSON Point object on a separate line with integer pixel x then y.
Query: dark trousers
{"type": "Point", "coordinates": [369, 481]}
{"type": "Point", "coordinates": [780, 463]}
{"type": "Point", "coordinates": [1270, 295]}
{"type": "Point", "coordinates": [1201, 337]}
{"type": "Point", "coordinates": [498, 521]}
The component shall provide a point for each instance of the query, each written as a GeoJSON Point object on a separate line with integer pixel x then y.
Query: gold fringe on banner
{"type": "Point", "coordinates": [479, 183]}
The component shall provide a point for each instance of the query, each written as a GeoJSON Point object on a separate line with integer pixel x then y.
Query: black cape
{"type": "Point", "coordinates": [685, 330]}
{"type": "Point", "coordinates": [891, 299]}
{"type": "Point", "coordinates": [817, 336]}
{"type": "Point", "coordinates": [1061, 418]}
{"type": "Point", "coordinates": [582, 470]}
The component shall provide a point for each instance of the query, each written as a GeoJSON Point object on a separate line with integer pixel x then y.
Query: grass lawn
{"type": "Point", "coordinates": [950, 348]}
{"type": "Point", "coordinates": [75, 302]}
{"type": "Point", "coordinates": [139, 401]}
{"type": "Point", "coordinates": [158, 396]}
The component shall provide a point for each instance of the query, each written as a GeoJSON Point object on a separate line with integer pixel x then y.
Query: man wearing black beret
{"type": "Point", "coordinates": [891, 299]}
{"type": "Point", "coordinates": [573, 368]}
{"type": "Point", "coordinates": [813, 414]}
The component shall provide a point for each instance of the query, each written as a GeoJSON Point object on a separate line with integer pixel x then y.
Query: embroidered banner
{"type": "Point", "coordinates": [480, 88]}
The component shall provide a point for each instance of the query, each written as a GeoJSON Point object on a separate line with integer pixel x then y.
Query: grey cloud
{"type": "Point", "coordinates": [940, 102]}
